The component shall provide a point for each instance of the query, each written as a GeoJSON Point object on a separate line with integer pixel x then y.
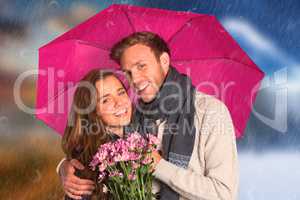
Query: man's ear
{"type": "Point", "coordinates": [165, 62]}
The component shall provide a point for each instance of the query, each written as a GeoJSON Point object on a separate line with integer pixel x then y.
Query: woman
{"type": "Point", "coordinates": [97, 119]}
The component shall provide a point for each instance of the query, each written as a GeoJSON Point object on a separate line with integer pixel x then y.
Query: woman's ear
{"type": "Point", "coordinates": [165, 62]}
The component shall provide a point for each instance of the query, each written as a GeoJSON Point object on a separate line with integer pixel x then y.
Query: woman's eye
{"type": "Point", "coordinates": [122, 92]}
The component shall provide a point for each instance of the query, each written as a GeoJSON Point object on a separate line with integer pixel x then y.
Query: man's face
{"type": "Point", "coordinates": [144, 71]}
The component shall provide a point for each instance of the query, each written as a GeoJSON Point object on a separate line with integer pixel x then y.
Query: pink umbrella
{"type": "Point", "coordinates": [200, 47]}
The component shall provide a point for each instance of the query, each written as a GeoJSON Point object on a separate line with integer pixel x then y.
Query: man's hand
{"type": "Point", "coordinates": [74, 186]}
{"type": "Point", "coordinates": [156, 157]}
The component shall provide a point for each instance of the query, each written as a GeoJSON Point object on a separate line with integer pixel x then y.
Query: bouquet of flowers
{"type": "Point", "coordinates": [125, 166]}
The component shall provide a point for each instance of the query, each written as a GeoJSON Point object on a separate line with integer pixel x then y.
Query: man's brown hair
{"type": "Point", "coordinates": [152, 40]}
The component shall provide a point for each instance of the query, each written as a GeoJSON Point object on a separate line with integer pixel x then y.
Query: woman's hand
{"type": "Point", "coordinates": [74, 186]}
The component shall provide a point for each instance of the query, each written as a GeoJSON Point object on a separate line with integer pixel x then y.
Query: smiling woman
{"type": "Point", "coordinates": [113, 105]}
{"type": "Point", "coordinates": [104, 122]}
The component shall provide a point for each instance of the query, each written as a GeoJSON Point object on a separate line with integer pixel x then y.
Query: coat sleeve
{"type": "Point", "coordinates": [220, 178]}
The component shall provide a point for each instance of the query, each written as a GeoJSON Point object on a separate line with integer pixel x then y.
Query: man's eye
{"type": "Point", "coordinates": [141, 66]}
{"type": "Point", "coordinates": [105, 100]}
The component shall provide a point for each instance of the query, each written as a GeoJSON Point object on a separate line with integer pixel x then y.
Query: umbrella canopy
{"type": "Point", "coordinates": [200, 47]}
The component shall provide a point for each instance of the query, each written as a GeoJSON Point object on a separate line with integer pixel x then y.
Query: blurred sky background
{"type": "Point", "coordinates": [267, 30]}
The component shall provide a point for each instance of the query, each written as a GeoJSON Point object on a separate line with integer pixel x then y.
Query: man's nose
{"type": "Point", "coordinates": [136, 78]}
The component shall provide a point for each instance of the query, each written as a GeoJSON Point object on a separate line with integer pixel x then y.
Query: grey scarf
{"type": "Point", "coordinates": [175, 105]}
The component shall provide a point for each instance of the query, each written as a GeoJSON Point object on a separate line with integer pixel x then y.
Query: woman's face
{"type": "Point", "coordinates": [114, 106]}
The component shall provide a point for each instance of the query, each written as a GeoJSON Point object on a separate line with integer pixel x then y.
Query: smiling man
{"type": "Point", "coordinates": [198, 157]}
{"type": "Point", "coordinates": [142, 69]}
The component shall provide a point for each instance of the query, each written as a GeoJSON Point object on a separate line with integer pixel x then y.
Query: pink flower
{"type": "Point", "coordinates": [101, 176]}
{"type": "Point", "coordinates": [115, 159]}
{"type": "Point", "coordinates": [102, 167]}
{"type": "Point", "coordinates": [135, 165]}
{"type": "Point", "coordinates": [133, 151]}
{"type": "Point", "coordinates": [132, 176]}
{"type": "Point", "coordinates": [115, 174]}
{"type": "Point", "coordinates": [147, 160]}
{"type": "Point", "coordinates": [153, 141]}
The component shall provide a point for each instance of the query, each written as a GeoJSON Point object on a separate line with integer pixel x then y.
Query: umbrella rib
{"type": "Point", "coordinates": [180, 29]}
{"type": "Point", "coordinates": [94, 45]}
{"type": "Point", "coordinates": [216, 58]}
{"type": "Point", "coordinates": [64, 89]}
{"type": "Point", "coordinates": [58, 93]}
{"type": "Point", "coordinates": [129, 20]}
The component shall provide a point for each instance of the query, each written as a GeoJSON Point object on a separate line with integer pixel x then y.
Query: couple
{"type": "Point", "coordinates": [198, 157]}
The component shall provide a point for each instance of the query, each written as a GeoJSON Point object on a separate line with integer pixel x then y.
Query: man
{"type": "Point", "coordinates": [198, 158]}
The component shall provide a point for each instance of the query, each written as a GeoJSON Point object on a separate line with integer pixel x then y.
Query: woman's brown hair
{"type": "Point", "coordinates": [85, 132]}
